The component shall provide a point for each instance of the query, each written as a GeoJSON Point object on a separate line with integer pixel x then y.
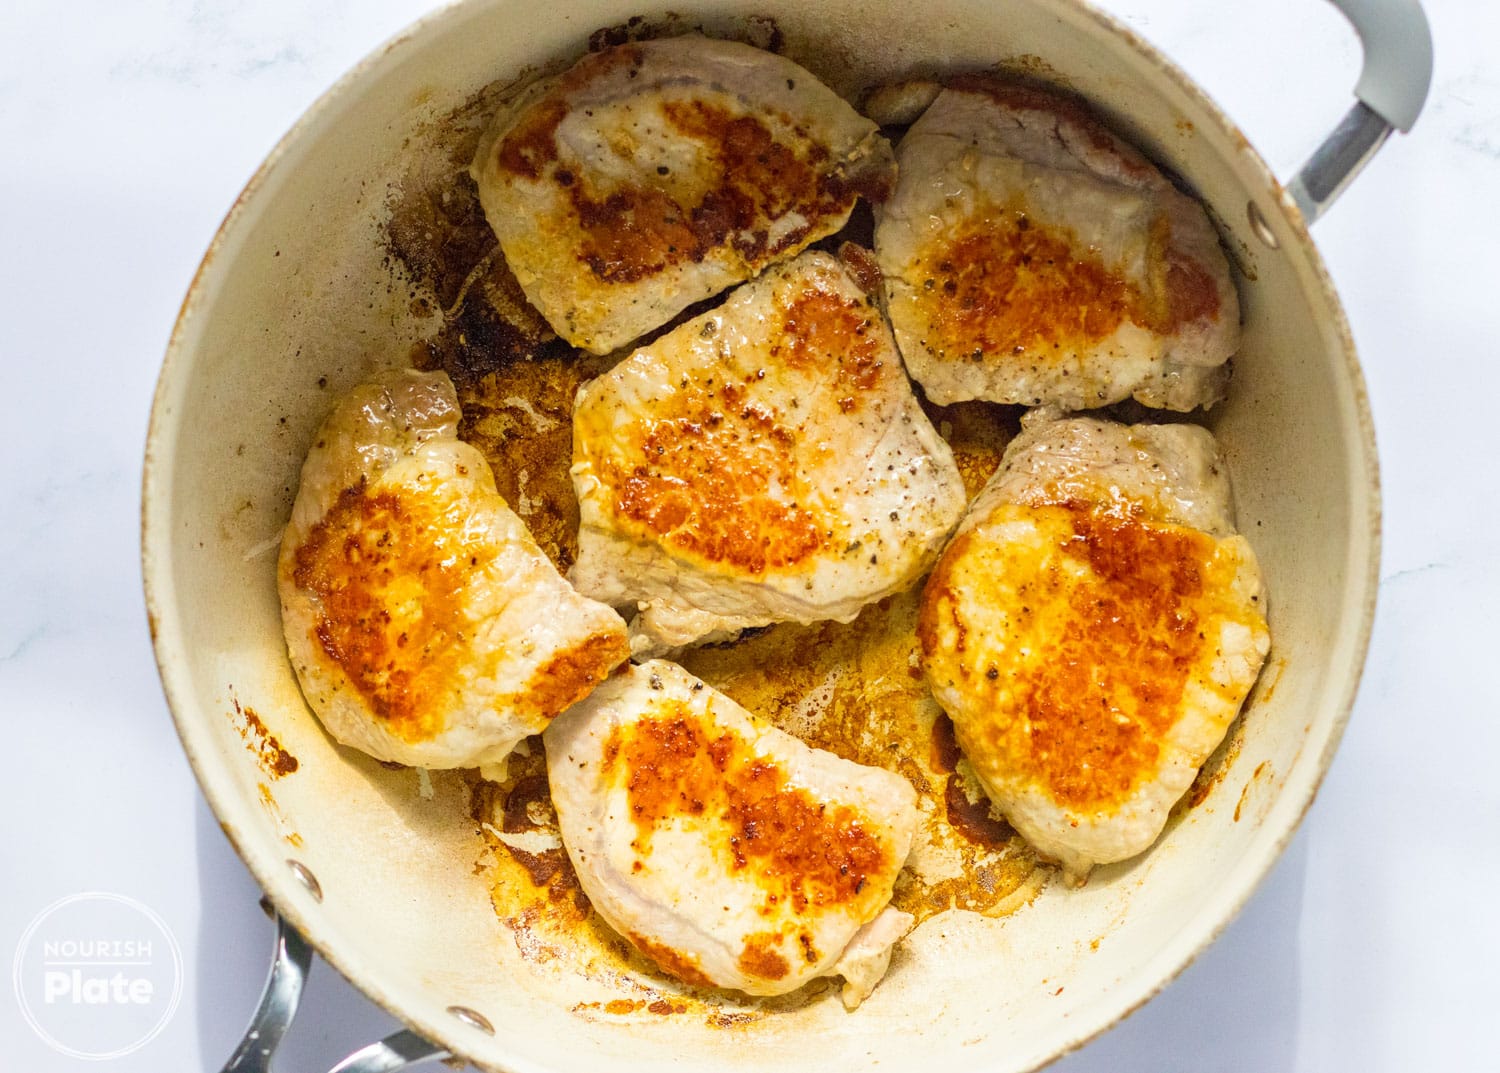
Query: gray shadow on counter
{"type": "Point", "coordinates": [1233, 1010]}
{"type": "Point", "coordinates": [234, 955]}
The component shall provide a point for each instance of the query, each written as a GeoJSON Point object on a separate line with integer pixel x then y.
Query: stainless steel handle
{"type": "Point", "coordinates": [391, 1055]}
{"type": "Point", "coordinates": [278, 1003]}
{"type": "Point", "coordinates": [278, 1006]}
{"type": "Point", "coordinates": [1391, 90]}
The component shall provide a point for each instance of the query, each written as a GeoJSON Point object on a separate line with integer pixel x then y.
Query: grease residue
{"type": "Point", "coordinates": [1262, 772]}
{"type": "Point", "coordinates": [273, 757]}
{"type": "Point", "coordinates": [1265, 686]}
{"type": "Point", "coordinates": [278, 818]}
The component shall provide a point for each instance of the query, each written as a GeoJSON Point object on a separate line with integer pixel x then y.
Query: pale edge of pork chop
{"type": "Point", "coordinates": [727, 851]}
{"type": "Point", "coordinates": [655, 174]}
{"type": "Point", "coordinates": [1001, 592]}
{"type": "Point", "coordinates": [764, 462]}
{"type": "Point", "coordinates": [424, 623]}
{"type": "Point", "coordinates": [1174, 470]}
{"type": "Point", "coordinates": [987, 147]}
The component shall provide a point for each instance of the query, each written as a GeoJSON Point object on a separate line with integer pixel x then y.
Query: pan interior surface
{"type": "Point", "coordinates": [299, 299]}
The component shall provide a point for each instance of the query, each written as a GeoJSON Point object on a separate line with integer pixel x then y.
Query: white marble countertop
{"type": "Point", "coordinates": [129, 128]}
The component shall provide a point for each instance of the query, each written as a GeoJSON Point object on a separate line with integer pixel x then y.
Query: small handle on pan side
{"type": "Point", "coordinates": [278, 1006]}
{"type": "Point", "coordinates": [1391, 90]}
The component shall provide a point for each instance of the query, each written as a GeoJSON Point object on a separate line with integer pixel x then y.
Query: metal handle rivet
{"type": "Point", "coordinates": [1259, 225]}
{"type": "Point", "coordinates": [473, 1018]}
{"type": "Point", "coordinates": [306, 878]}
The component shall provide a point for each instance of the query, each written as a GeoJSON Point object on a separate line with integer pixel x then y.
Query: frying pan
{"type": "Point", "coordinates": [375, 868]}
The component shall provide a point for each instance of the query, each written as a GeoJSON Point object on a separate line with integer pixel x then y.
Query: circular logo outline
{"type": "Point", "coordinates": [17, 967]}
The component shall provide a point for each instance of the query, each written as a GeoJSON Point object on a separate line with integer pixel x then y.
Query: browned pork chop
{"type": "Point", "coordinates": [1093, 629]}
{"type": "Point", "coordinates": [1030, 256]}
{"type": "Point", "coordinates": [725, 850]}
{"type": "Point", "coordinates": [765, 462]}
{"type": "Point", "coordinates": [424, 623]}
{"type": "Point", "coordinates": [656, 174]}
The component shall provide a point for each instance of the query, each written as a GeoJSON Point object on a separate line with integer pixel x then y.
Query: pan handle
{"type": "Point", "coordinates": [278, 1003]}
{"type": "Point", "coordinates": [278, 1006]}
{"type": "Point", "coordinates": [390, 1055]}
{"type": "Point", "coordinates": [1390, 93]}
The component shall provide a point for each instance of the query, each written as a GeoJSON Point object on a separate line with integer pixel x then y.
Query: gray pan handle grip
{"type": "Point", "coordinates": [278, 1006]}
{"type": "Point", "coordinates": [1390, 93]}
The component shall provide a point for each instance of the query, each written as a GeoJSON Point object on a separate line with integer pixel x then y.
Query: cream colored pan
{"type": "Point", "coordinates": [397, 889]}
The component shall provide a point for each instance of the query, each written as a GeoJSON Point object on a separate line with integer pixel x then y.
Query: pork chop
{"type": "Point", "coordinates": [425, 625]}
{"type": "Point", "coordinates": [1093, 630]}
{"type": "Point", "coordinates": [1031, 256]}
{"type": "Point", "coordinates": [655, 174]}
{"type": "Point", "coordinates": [726, 851]}
{"type": "Point", "coordinates": [761, 463]}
